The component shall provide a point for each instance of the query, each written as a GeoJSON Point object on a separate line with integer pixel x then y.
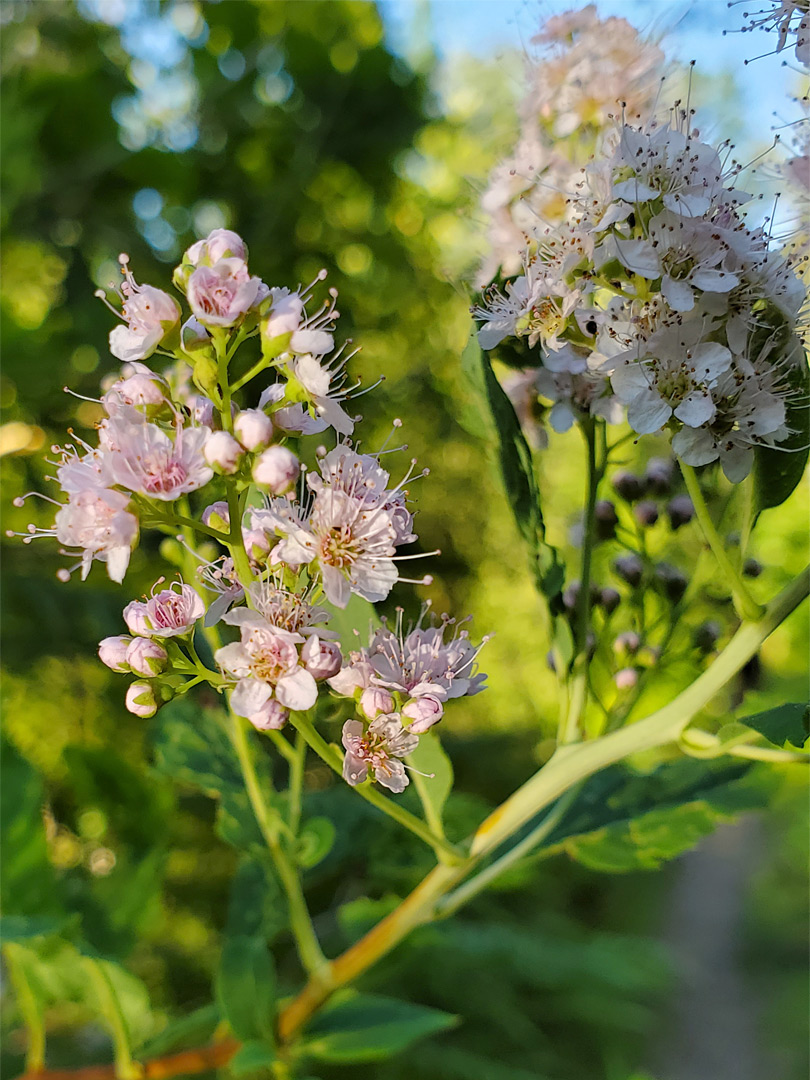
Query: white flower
{"type": "Point", "coordinates": [97, 521]}
{"type": "Point", "coordinates": [150, 316]}
{"type": "Point", "coordinates": [378, 748]}
{"type": "Point", "coordinates": [145, 459]}
{"type": "Point", "coordinates": [169, 613]}
{"type": "Point", "coordinates": [222, 294]}
{"type": "Point", "coordinates": [265, 664]}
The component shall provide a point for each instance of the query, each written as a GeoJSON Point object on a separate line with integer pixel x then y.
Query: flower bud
{"type": "Point", "coordinates": [629, 568]}
{"type": "Point", "coordinates": [752, 568]}
{"type": "Point", "coordinates": [605, 519]}
{"type": "Point", "coordinates": [322, 659]}
{"type": "Point", "coordinates": [680, 511]}
{"type": "Point", "coordinates": [626, 679]}
{"type": "Point", "coordinates": [646, 513]}
{"type": "Point", "coordinates": [672, 581]}
{"type": "Point", "coordinates": [627, 486]}
{"type": "Point", "coordinates": [423, 712]}
{"type": "Point", "coordinates": [135, 618]}
{"type": "Point", "coordinates": [658, 476]}
{"type": "Point", "coordinates": [270, 717]}
{"type": "Point", "coordinates": [627, 644]}
{"type": "Point", "coordinates": [140, 700]}
{"type": "Point", "coordinates": [276, 469]}
{"type": "Point", "coordinates": [223, 453]}
{"type": "Point", "coordinates": [609, 600]}
{"type": "Point", "coordinates": [146, 657]}
{"type": "Point", "coordinates": [201, 409]}
{"type": "Point", "coordinates": [254, 429]}
{"type": "Point", "coordinates": [112, 651]}
{"type": "Point", "coordinates": [257, 543]}
{"type": "Point", "coordinates": [194, 337]}
{"type": "Point", "coordinates": [707, 635]}
{"type": "Point", "coordinates": [217, 516]}
{"type": "Point", "coordinates": [375, 700]}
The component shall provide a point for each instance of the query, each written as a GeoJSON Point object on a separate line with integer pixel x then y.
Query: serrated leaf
{"type": "Point", "coordinates": [777, 472]}
{"type": "Point", "coordinates": [246, 988]}
{"type": "Point", "coordinates": [623, 821]}
{"type": "Point", "coordinates": [315, 841]}
{"type": "Point", "coordinates": [368, 1027]}
{"type": "Point", "coordinates": [191, 745]}
{"type": "Point", "coordinates": [196, 1028]}
{"type": "Point", "coordinates": [516, 468]}
{"type": "Point", "coordinates": [433, 788]}
{"type": "Point", "coordinates": [252, 1056]}
{"type": "Point", "coordinates": [786, 725]}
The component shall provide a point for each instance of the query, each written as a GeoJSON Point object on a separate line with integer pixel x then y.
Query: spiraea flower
{"type": "Point", "coordinates": [222, 294]}
{"type": "Point", "coordinates": [97, 522]}
{"type": "Point", "coordinates": [150, 315]}
{"type": "Point", "coordinates": [167, 613]}
{"type": "Point", "coordinates": [145, 459]}
{"type": "Point", "coordinates": [380, 748]}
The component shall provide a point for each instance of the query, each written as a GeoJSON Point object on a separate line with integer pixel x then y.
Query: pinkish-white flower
{"type": "Point", "coordinates": [168, 613]}
{"type": "Point", "coordinates": [379, 748]}
{"type": "Point", "coordinates": [98, 522]}
{"type": "Point", "coordinates": [276, 469]}
{"type": "Point", "coordinates": [254, 429]}
{"type": "Point", "coordinates": [147, 460]}
{"type": "Point", "coordinates": [112, 651]}
{"type": "Point", "coordinates": [223, 452]}
{"type": "Point", "coordinates": [322, 659]}
{"type": "Point", "coordinates": [146, 657]}
{"type": "Point", "coordinates": [150, 315]}
{"type": "Point", "coordinates": [140, 700]}
{"type": "Point", "coordinates": [222, 294]}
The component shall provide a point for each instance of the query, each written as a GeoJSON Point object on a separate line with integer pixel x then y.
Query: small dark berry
{"type": "Point", "coordinates": [629, 568]}
{"type": "Point", "coordinates": [707, 635]}
{"type": "Point", "coordinates": [646, 512]}
{"type": "Point", "coordinates": [606, 519]}
{"type": "Point", "coordinates": [680, 511]}
{"type": "Point", "coordinates": [672, 581]}
{"type": "Point", "coordinates": [628, 486]}
{"type": "Point", "coordinates": [609, 600]}
{"type": "Point", "coordinates": [752, 568]}
{"type": "Point", "coordinates": [658, 476]}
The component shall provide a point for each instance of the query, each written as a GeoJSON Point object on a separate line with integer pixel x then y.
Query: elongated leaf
{"type": "Point", "coordinates": [22, 927]}
{"type": "Point", "coordinates": [367, 1027]}
{"type": "Point", "coordinates": [253, 1056]}
{"type": "Point", "coordinates": [778, 472]}
{"type": "Point", "coordinates": [430, 758]}
{"type": "Point", "coordinates": [256, 907]}
{"type": "Point", "coordinates": [192, 1030]}
{"type": "Point", "coordinates": [787, 724]}
{"type": "Point", "coordinates": [246, 988]}
{"type": "Point", "coordinates": [627, 822]}
{"type": "Point", "coordinates": [501, 427]}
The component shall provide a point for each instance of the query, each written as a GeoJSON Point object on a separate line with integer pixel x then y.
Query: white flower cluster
{"type": "Point", "coordinates": [175, 451]}
{"type": "Point", "coordinates": [587, 69]}
{"type": "Point", "coordinates": [657, 296]}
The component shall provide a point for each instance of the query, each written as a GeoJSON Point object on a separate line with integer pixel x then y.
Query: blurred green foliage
{"type": "Point", "coordinates": [294, 124]}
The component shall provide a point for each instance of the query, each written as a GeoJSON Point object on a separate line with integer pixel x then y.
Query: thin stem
{"type": "Point", "coordinates": [481, 881]}
{"type": "Point", "coordinates": [125, 1067]}
{"type": "Point", "coordinates": [747, 607]}
{"type": "Point", "coordinates": [333, 758]}
{"type": "Point", "coordinates": [27, 1002]}
{"type": "Point", "coordinates": [235, 542]}
{"type": "Point", "coordinates": [309, 949]}
{"type": "Point", "coordinates": [251, 373]}
{"type": "Point", "coordinates": [296, 781]}
{"type": "Point", "coordinates": [220, 348]}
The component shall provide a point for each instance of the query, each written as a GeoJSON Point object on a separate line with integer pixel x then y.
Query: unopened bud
{"type": "Point", "coordinates": [629, 568]}
{"type": "Point", "coordinates": [628, 486]}
{"type": "Point", "coordinates": [707, 635]}
{"type": "Point", "coordinates": [605, 519]}
{"type": "Point", "coordinates": [270, 717]}
{"type": "Point", "coordinates": [254, 429]}
{"type": "Point", "coordinates": [322, 659]}
{"type": "Point", "coordinates": [146, 657]}
{"type": "Point", "coordinates": [627, 644]}
{"type": "Point", "coordinates": [423, 712]}
{"type": "Point", "coordinates": [276, 469]}
{"type": "Point", "coordinates": [626, 679]}
{"type": "Point", "coordinates": [646, 512]}
{"type": "Point", "coordinates": [140, 700]}
{"type": "Point", "coordinates": [112, 651]}
{"type": "Point", "coordinates": [375, 700]}
{"type": "Point", "coordinates": [223, 453]}
{"type": "Point", "coordinates": [609, 600]}
{"type": "Point", "coordinates": [672, 580]}
{"type": "Point", "coordinates": [217, 516]}
{"type": "Point", "coordinates": [658, 476]}
{"type": "Point", "coordinates": [752, 568]}
{"type": "Point", "coordinates": [680, 511]}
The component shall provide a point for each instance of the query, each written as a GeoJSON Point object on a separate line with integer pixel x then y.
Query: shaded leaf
{"type": "Point", "coordinates": [255, 905]}
{"type": "Point", "coordinates": [22, 927]}
{"type": "Point", "coordinates": [777, 472]}
{"type": "Point", "coordinates": [315, 841]}
{"type": "Point", "coordinates": [430, 757]}
{"type": "Point", "coordinates": [367, 1027]}
{"type": "Point", "coordinates": [191, 745]}
{"type": "Point", "coordinates": [192, 1030]}
{"type": "Point", "coordinates": [787, 724]}
{"type": "Point", "coordinates": [517, 470]}
{"type": "Point", "coordinates": [252, 1056]}
{"type": "Point", "coordinates": [246, 987]}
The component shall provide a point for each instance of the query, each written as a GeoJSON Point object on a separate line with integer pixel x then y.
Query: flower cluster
{"type": "Point", "coordinates": [586, 68]}
{"type": "Point", "coordinates": [657, 296]}
{"type": "Point", "coordinates": [179, 453]}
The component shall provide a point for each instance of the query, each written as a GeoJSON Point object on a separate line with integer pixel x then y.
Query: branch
{"type": "Point", "coordinates": [186, 1063]}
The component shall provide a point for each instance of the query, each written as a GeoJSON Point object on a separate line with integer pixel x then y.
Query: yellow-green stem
{"type": "Point", "coordinates": [125, 1067]}
{"type": "Point", "coordinates": [27, 1003]}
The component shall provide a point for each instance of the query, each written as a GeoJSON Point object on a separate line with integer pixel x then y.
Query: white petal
{"type": "Point", "coordinates": [694, 446]}
{"type": "Point", "coordinates": [117, 563]}
{"type": "Point", "coordinates": [687, 205]}
{"type": "Point", "coordinates": [640, 257]}
{"type": "Point", "coordinates": [737, 463]}
{"type": "Point", "coordinates": [335, 586]}
{"type": "Point", "coordinates": [297, 691]}
{"type": "Point", "coordinates": [715, 280]}
{"type": "Point", "coordinates": [561, 417]}
{"type": "Point", "coordinates": [648, 413]}
{"type": "Point", "coordinates": [696, 409]}
{"type": "Point", "coordinates": [249, 696]}
{"type": "Point", "coordinates": [678, 294]}
{"type": "Point", "coordinates": [312, 341]}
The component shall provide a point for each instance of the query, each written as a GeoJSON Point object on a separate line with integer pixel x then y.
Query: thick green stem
{"type": "Point", "coordinates": [333, 758]}
{"type": "Point", "coordinates": [309, 949]}
{"type": "Point", "coordinates": [28, 1006]}
{"type": "Point", "coordinates": [746, 605]}
{"type": "Point", "coordinates": [221, 350]}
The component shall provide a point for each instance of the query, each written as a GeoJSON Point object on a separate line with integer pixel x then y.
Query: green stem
{"type": "Point", "coordinates": [445, 851]}
{"type": "Point", "coordinates": [126, 1068]}
{"type": "Point", "coordinates": [309, 949]}
{"type": "Point", "coordinates": [251, 373]}
{"type": "Point", "coordinates": [236, 544]}
{"type": "Point", "coordinates": [296, 781]}
{"type": "Point", "coordinates": [481, 881]}
{"type": "Point", "coordinates": [746, 606]}
{"type": "Point", "coordinates": [27, 1002]}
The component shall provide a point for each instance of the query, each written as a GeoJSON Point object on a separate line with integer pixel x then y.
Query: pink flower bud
{"type": "Point", "coordinates": [112, 651]}
{"type": "Point", "coordinates": [270, 717]}
{"type": "Point", "coordinates": [257, 543]}
{"type": "Point", "coordinates": [202, 410]}
{"type": "Point", "coordinates": [375, 700]}
{"type": "Point", "coordinates": [223, 452]}
{"type": "Point", "coordinates": [254, 429]}
{"type": "Point", "coordinates": [135, 616]}
{"type": "Point", "coordinates": [423, 712]}
{"type": "Point", "coordinates": [276, 469]}
{"type": "Point", "coordinates": [225, 244]}
{"type": "Point", "coordinates": [194, 336]}
{"type": "Point", "coordinates": [284, 317]}
{"type": "Point", "coordinates": [322, 659]}
{"type": "Point", "coordinates": [626, 679]}
{"type": "Point", "coordinates": [217, 516]}
{"type": "Point", "coordinates": [140, 700]}
{"type": "Point", "coordinates": [146, 657]}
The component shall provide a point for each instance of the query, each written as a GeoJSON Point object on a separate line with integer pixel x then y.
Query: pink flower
{"type": "Point", "coordinates": [357, 675]}
{"type": "Point", "coordinates": [97, 521]}
{"type": "Point", "coordinates": [223, 453]}
{"type": "Point", "coordinates": [146, 657]}
{"type": "Point", "coordinates": [171, 612]}
{"type": "Point", "coordinates": [112, 651]}
{"type": "Point", "coordinates": [150, 316]}
{"type": "Point", "coordinates": [220, 295]}
{"type": "Point", "coordinates": [270, 717]}
{"type": "Point", "coordinates": [141, 700]}
{"type": "Point", "coordinates": [322, 659]}
{"type": "Point", "coordinates": [219, 244]}
{"type": "Point", "coordinates": [378, 748]}
{"type": "Point", "coordinates": [265, 664]}
{"type": "Point", "coordinates": [375, 700]}
{"type": "Point", "coordinates": [423, 712]}
{"type": "Point", "coordinates": [145, 459]}
{"type": "Point", "coordinates": [276, 469]}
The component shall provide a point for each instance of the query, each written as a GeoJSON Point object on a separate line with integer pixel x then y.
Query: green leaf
{"type": "Point", "coordinates": [252, 1056]}
{"type": "Point", "coordinates": [358, 615]}
{"type": "Point", "coordinates": [236, 823]}
{"type": "Point", "coordinates": [23, 927]}
{"type": "Point", "coordinates": [367, 1027]}
{"type": "Point", "coordinates": [624, 821]}
{"type": "Point", "coordinates": [429, 757]}
{"type": "Point", "coordinates": [192, 1030]}
{"type": "Point", "coordinates": [787, 724]}
{"type": "Point", "coordinates": [315, 841]}
{"type": "Point", "coordinates": [256, 907]}
{"type": "Point", "coordinates": [191, 744]}
{"type": "Point", "coordinates": [517, 470]}
{"type": "Point", "coordinates": [777, 472]}
{"type": "Point", "coordinates": [246, 988]}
